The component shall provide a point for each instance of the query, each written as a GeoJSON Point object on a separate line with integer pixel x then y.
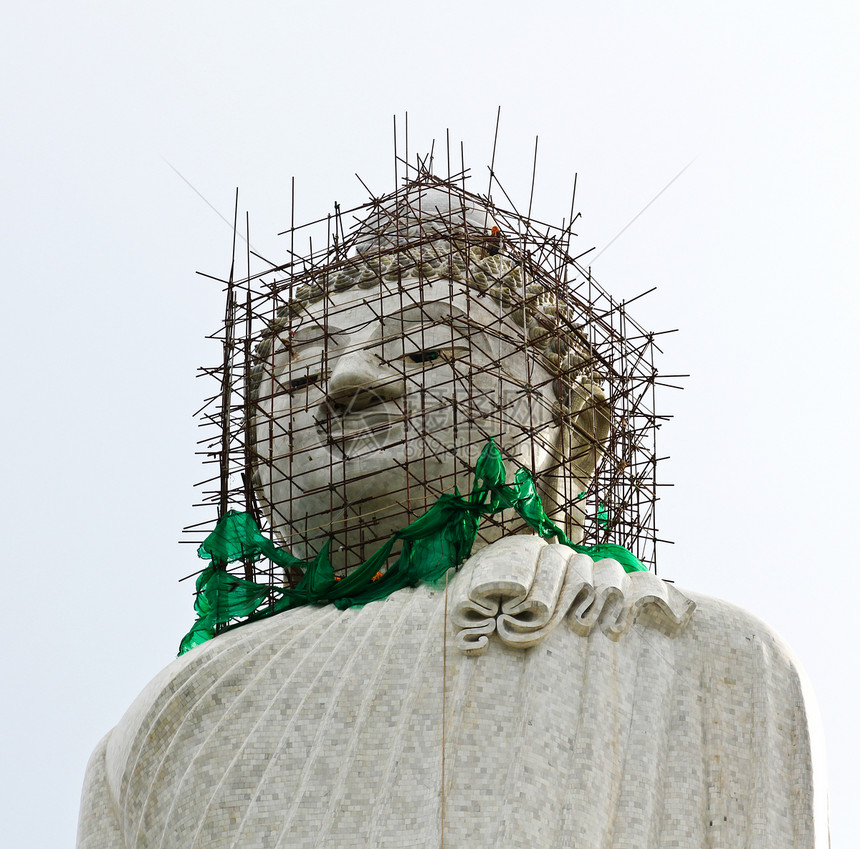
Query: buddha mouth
{"type": "Point", "coordinates": [367, 424]}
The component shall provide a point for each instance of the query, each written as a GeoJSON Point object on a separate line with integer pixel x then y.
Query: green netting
{"type": "Point", "coordinates": [602, 516]}
{"type": "Point", "coordinates": [435, 542]}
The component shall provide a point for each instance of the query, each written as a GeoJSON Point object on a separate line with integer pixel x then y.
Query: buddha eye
{"type": "Point", "coordinates": [302, 382]}
{"type": "Point", "coordinates": [424, 356]}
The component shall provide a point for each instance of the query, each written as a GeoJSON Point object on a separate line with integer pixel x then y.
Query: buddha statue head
{"type": "Point", "coordinates": [381, 379]}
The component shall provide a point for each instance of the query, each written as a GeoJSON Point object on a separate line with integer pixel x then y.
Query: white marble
{"type": "Point", "coordinates": [322, 728]}
{"type": "Point", "coordinates": [521, 588]}
{"type": "Point", "coordinates": [539, 700]}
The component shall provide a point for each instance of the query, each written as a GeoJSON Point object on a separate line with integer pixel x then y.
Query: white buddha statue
{"type": "Point", "coordinates": [537, 698]}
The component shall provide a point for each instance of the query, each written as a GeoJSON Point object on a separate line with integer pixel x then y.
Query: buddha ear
{"type": "Point", "coordinates": [580, 435]}
{"type": "Point", "coordinates": [583, 430]}
{"type": "Point", "coordinates": [587, 425]}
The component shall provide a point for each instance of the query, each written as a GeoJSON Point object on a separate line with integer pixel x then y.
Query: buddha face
{"type": "Point", "coordinates": [374, 403]}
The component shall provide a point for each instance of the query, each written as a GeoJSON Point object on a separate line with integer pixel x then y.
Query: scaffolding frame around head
{"type": "Point", "coordinates": [599, 357]}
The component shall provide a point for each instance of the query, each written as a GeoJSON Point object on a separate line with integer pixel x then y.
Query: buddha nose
{"type": "Point", "coordinates": [360, 379]}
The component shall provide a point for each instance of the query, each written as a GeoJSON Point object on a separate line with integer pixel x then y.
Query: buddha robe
{"type": "Point", "coordinates": [558, 704]}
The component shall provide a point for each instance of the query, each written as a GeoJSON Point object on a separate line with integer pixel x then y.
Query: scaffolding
{"type": "Point", "coordinates": [360, 380]}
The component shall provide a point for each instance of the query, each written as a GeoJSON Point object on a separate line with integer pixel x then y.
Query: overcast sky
{"type": "Point", "coordinates": [754, 251]}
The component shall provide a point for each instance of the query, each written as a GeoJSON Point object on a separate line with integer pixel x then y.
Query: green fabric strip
{"type": "Point", "coordinates": [434, 543]}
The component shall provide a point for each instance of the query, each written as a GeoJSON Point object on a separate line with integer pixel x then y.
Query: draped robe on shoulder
{"type": "Point", "coordinates": [625, 714]}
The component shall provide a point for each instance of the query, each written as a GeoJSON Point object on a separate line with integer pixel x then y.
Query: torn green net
{"type": "Point", "coordinates": [434, 543]}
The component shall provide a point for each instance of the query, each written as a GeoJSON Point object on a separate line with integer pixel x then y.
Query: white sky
{"type": "Point", "coordinates": [754, 250]}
